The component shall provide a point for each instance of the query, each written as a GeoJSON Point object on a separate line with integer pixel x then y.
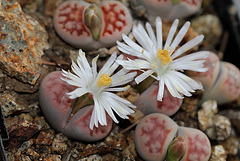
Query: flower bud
{"type": "Point", "coordinates": [93, 20]}
{"type": "Point", "coordinates": [176, 149]}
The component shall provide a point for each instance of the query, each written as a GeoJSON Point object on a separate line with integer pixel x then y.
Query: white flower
{"type": "Point", "coordinates": [101, 85]}
{"type": "Point", "coordinates": [163, 62]}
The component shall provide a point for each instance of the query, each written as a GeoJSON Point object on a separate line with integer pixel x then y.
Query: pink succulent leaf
{"type": "Point", "coordinates": [209, 77]}
{"type": "Point", "coordinates": [221, 82]}
{"type": "Point", "coordinates": [117, 20]}
{"type": "Point", "coordinates": [153, 135]}
{"type": "Point", "coordinates": [56, 107]}
{"type": "Point", "coordinates": [198, 146]}
{"type": "Point", "coordinates": [171, 9]}
{"type": "Point", "coordinates": [227, 84]}
{"type": "Point", "coordinates": [112, 20]}
{"type": "Point", "coordinates": [69, 23]}
{"type": "Point", "coordinates": [148, 103]}
{"type": "Point", "coordinates": [78, 126]}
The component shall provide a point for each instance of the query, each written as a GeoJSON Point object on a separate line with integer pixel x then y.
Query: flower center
{"type": "Point", "coordinates": [104, 80]}
{"type": "Point", "coordinates": [164, 56]}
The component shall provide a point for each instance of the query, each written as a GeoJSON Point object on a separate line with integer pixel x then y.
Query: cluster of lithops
{"type": "Point", "coordinates": [221, 82]}
{"type": "Point", "coordinates": [58, 110]}
{"type": "Point", "coordinates": [158, 137]}
{"type": "Point", "coordinates": [171, 9]}
{"type": "Point", "coordinates": [91, 26]}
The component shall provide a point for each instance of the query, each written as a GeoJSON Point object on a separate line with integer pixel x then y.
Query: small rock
{"type": "Point", "coordinates": [59, 145]}
{"type": "Point", "coordinates": [43, 150]}
{"type": "Point", "coordinates": [209, 25]}
{"type": "Point", "coordinates": [190, 106]}
{"type": "Point", "coordinates": [20, 133]}
{"type": "Point", "coordinates": [41, 122]}
{"type": "Point", "coordinates": [205, 115]}
{"type": "Point", "coordinates": [234, 116]}
{"type": "Point", "coordinates": [131, 143]}
{"type": "Point", "coordinates": [59, 148]}
{"type": "Point", "coordinates": [21, 45]}
{"type": "Point", "coordinates": [50, 6]}
{"type": "Point", "coordinates": [111, 157]}
{"type": "Point", "coordinates": [45, 138]}
{"type": "Point", "coordinates": [26, 145]}
{"type": "Point", "coordinates": [92, 158]}
{"type": "Point", "coordinates": [221, 128]}
{"type": "Point", "coordinates": [127, 156]}
{"type": "Point", "coordinates": [101, 150]}
{"type": "Point", "coordinates": [218, 153]}
{"type": "Point", "coordinates": [51, 157]}
{"type": "Point", "coordinates": [60, 138]}
{"type": "Point", "coordinates": [117, 141]}
{"type": "Point", "coordinates": [18, 86]}
{"type": "Point", "coordinates": [25, 158]}
{"type": "Point", "coordinates": [231, 145]}
{"type": "Point", "coordinates": [10, 103]}
{"type": "Point", "coordinates": [32, 154]}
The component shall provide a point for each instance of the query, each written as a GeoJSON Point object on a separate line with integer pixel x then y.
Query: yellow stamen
{"type": "Point", "coordinates": [104, 80]}
{"type": "Point", "coordinates": [164, 56]}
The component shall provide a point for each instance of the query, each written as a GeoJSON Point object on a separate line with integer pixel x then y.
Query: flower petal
{"type": "Point", "coordinates": [77, 93]}
{"type": "Point", "coordinates": [180, 36]}
{"type": "Point", "coordinates": [190, 44]}
{"type": "Point", "coordinates": [143, 76]}
{"type": "Point", "coordinates": [159, 32]}
{"type": "Point", "coordinates": [108, 64]}
{"type": "Point", "coordinates": [171, 34]}
{"type": "Point", "coordinates": [160, 90]}
{"type": "Point", "coordinates": [151, 34]}
{"type": "Point", "coordinates": [121, 80]}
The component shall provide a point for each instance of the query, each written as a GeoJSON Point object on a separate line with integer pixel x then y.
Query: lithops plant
{"type": "Point", "coordinates": [171, 9]}
{"type": "Point", "coordinates": [148, 103]}
{"type": "Point", "coordinates": [91, 26]}
{"type": "Point", "coordinates": [153, 135]}
{"type": "Point", "coordinates": [221, 82]}
{"type": "Point", "coordinates": [57, 109]}
{"type": "Point", "coordinates": [154, 140]}
{"type": "Point", "coordinates": [164, 62]}
{"type": "Point", "coordinates": [81, 103]}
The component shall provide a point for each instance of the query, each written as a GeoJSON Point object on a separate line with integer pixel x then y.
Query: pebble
{"type": "Point", "coordinates": [210, 26]}
{"type": "Point", "coordinates": [218, 153]}
{"type": "Point", "coordinates": [231, 145]}
{"type": "Point", "coordinates": [52, 157]}
{"type": "Point", "coordinates": [234, 116]}
{"type": "Point", "coordinates": [92, 158]}
{"type": "Point", "coordinates": [10, 103]}
{"type": "Point", "coordinates": [206, 113]}
{"type": "Point", "coordinates": [45, 138]}
{"type": "Point", "coordinates": [58, 145]}
{"type": "Point", "coordinates": [20, 133]}
{"type": "Point", "coordinates": [221, 128]}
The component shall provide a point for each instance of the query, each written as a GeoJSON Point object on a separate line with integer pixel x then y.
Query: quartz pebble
{"type": "Point", "coordinates": [218, 153]}
{"type": "Point", "coordinates": [221, 128]}
{"type": "Point", "coordinates": [206, 113]}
